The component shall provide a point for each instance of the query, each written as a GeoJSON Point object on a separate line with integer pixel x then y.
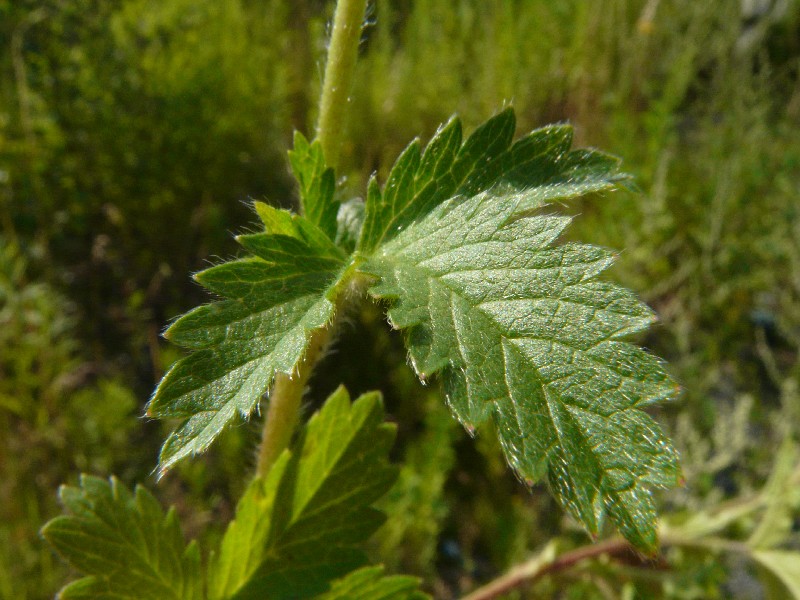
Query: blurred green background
{"type": "Point", "coordinates": [133, 133]}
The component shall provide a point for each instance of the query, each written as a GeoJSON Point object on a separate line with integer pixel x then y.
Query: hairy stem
{"type": "Point", "coordinates": [286, 394]}
{"type": "Point", "coordinates": [339, 68]}
{"type": "Point", "coordinates": [284, 403]}
{"type": "Point", "coordinates": [287, 390]}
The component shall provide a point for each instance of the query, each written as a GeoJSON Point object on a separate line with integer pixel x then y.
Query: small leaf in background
{"type": "Point", "coordinates": [302, 526]}
{"type": "Point", "coordinates": [273, 301]}
{"type": "Point", "coordinates": [317, 183]}
{"type": "Point", "coordinates": [784, 566]}
{"type": "Point", "coordinates": [521, 329]}
{"type": "Point", "coordinates": [369, 583]}
{"type": "Point", "coordinates": [782, 498]}
{"type": "Point", "coordinates": [124, 543]}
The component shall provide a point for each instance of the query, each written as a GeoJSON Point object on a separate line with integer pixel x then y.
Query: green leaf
{"type": "Point", "coordinates": [784, 566]}
{"type": "Point", "coordinates": [283, 222]}
{"type": "Point", "coordinates": [522, 330]}
{"type": "Point", "coordinates": [782, 498]}
{"type": "Point", "coordinates": [301, 527]}
{"type": "Point", "coordinates": [272, 302]}
{"type": "Point", "coordinates": [419, 181]}
{"type": "Point", "coordinates": [317, 183]}
{"type": "Point", "coordinates": [369, 583]}
{"type": "Point", "coordinates": [705, 523]}
{"type": "Point", "coordinates": [124, 543]}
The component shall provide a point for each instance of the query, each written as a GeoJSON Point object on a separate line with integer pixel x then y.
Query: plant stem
{"type": "Point", "coordinates": [284, 403]}
{"type": "Point", "coordinates": [342, 54]}
{"type": "Point", "coordinates": [286, 394]}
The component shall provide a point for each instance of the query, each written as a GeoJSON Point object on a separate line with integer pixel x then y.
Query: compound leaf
{"type": "Point", "coordinates": [521, 329]}
{"type": "Point", "coordinates": [124, 543]}
{"type": "Point", "coordinates": [272, 301]}
{"type": "Point", "coordinates": [300, 528]}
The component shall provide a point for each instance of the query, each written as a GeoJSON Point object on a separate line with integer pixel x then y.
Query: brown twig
{"type": "Point", "coordinates": [529, 571]}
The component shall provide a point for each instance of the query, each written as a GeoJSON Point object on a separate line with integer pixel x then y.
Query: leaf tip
{"type": "Point", "coordinates": [299, 139]}
{"type": "Point", "coordinates": [168, 333]}
{"type": "Point", "coordinates": [508, 108]}
{"type": "Point", "coordinates": [162, 468]}
{"type": "Point", "coordinates": [649, 548]}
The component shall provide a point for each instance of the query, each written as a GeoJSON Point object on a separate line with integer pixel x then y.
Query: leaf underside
{"type": "Point", "coordinates": [301, 527]}
{"type": "Point", "coordinates": [521, 329]}
{"type": "Point", "coordinates": [124, 543]}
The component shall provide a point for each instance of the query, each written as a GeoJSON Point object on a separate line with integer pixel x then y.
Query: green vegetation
{"type": "Point", "coordinates": [132, 133]}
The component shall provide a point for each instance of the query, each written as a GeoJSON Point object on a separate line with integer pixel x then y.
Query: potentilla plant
{"type": "Point", "coordinates": [461, 243]}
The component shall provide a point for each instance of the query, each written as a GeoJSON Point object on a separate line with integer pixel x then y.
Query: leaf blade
{"type": "Point", "coordinates": [271, 304]}
{"type": "Point", "coordinates": [301, 527]}
{"type": "Point", "coordinates": [784, 566]}
{"type": "Point", "coordinates": [525, 334]}
{"type": "Point", "coordinates": [486, 159]}
{"type": "Point", "coordinates": [124, 543]}
{"type": "Point", "coordinates": [781, 499]}
{"type": "Point", "coordinates": [369, 583]}
{"type": "Point", "coordinates": [317, 183]}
